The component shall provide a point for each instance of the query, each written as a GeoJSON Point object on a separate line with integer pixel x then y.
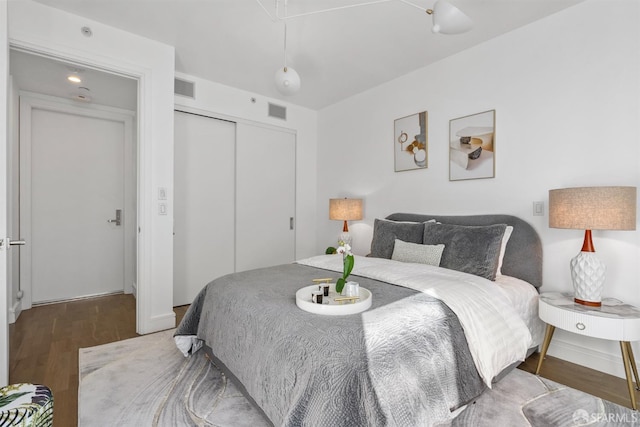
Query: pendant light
{"type": "Point", "coordinates": [287, 79]}
{"type": "Point", "coordinates": [448, 19]}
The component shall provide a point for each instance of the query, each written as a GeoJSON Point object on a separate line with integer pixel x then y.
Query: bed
{"type": "Point", "coordinates": [435, 337]}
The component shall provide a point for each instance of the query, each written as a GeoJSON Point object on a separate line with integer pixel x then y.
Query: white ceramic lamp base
{"type": "Point", "coordinates": [587, 274]}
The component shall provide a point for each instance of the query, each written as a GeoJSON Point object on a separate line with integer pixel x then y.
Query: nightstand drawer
{"type": "Point", "coordinates": [583, 324]}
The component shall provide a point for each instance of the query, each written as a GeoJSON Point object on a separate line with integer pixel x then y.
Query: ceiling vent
{"type": "Point", "coordinates": [277, 111]}
{"type": "Point", "coordinates": [184, 88]}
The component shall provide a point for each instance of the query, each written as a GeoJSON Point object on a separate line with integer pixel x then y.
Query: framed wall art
{"type": "Point", "coordinates": [410, 142]}
{"type": "Point", "coordinates": [472, 146]}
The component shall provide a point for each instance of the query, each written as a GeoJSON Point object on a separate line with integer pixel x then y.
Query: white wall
{"type": "Point", "coordinates": [566, 91]}
{"type": "Point", "coordinates": [235, 104]}
{"type": "Point", "coordinates": [40, 28]}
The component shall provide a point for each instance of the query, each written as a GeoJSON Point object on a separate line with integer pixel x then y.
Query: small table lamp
{"type": "Point", "coordinates": [345, 210]}
{"type": "Point", "coordinates": [591, 208]}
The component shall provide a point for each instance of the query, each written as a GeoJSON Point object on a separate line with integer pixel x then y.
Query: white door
{"type": "Point", "coordinates": [76, 186]}
{"type": "Point", "coordinates": [265, 197]}
{"type": "Point", "coordinates": [203, 244]}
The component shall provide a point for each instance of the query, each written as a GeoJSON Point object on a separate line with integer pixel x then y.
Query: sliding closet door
{"type": "Point", "coordinates": [203, 244]}
{"type": "Point", "coordinates": [265, 197]}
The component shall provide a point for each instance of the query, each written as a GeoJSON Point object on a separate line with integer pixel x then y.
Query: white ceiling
{"type": "Point", "coordinates": [43, 75]}
{"type": "Point", "coordinates": [337, 54]}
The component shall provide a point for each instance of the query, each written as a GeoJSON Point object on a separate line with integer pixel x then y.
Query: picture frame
{"type": "Point", "coordinates": [410, 144]}
{"type": "Point", "coordinates": [472, 146]}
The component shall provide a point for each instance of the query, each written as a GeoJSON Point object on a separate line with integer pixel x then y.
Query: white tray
{"type": "Point", "coordinates": [333, 308]}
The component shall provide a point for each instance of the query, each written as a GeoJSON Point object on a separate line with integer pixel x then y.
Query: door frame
{"type": "Point", "coordinates": [4, 126]}
{"type": "Point", "coordinates": [153, 296]}
{"type": "Point", "coordinates": [30, 101]}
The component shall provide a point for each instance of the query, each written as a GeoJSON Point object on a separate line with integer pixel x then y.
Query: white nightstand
{"type": "Point", "coordinates": [614, 320]}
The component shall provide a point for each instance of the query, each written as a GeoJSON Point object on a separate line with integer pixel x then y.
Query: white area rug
{"type": "Point", "coordinates": [146, 381]}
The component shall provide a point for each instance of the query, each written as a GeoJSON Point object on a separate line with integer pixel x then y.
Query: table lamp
{"type": "Point", "coordinates": [591, 208]}
{"type": "Point", "coordinates": [345, 210]}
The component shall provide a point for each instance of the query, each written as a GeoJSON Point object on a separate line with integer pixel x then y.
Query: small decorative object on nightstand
{"type": "Point", "coordinates": [613, 320]}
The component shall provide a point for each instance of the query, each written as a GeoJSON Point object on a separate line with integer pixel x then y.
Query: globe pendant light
{"type": "Point", "coordinates": [287, 79]}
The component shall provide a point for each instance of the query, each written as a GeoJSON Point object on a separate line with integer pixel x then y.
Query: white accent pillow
{"type": "Point", "coordinates": [503, 248]}
{"type": "Point", "coordinates": [416, 253]}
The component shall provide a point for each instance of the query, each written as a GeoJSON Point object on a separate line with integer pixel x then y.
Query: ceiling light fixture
{"type": "Point", "coordinates": [287, 79]}
{"type": "Point", "coordinates": [446, 18]}
{"type": "Point", "coordinates": [73, 78]}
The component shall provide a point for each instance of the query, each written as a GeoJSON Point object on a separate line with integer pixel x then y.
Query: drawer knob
{"type": "Point", "coordinates": [580, 326]}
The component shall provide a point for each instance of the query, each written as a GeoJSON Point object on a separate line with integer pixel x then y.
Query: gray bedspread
{"type": "Point", "coordinates": [403, 362]}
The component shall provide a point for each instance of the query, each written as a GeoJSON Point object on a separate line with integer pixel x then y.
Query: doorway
{"type": "Point", "coordinates": [77, 183]}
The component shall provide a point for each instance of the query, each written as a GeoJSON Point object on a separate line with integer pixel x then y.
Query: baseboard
{"type": "Point", "coordinates": [159, 323]}
{"type": "Point", "coordinates": [14, 311]}
{"type": "Point", "coordinates": [134, 290]}
{"type": "Point", "coordinates": [594, 359]}
{"type": "Point", "coordinates": [89, 296]}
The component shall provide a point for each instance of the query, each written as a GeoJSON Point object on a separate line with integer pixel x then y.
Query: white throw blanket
{"type": "Point", "coordinates": [496, 334]}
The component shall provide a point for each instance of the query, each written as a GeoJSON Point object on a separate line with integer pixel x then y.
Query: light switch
{"type": "Point", "coordinates": [538, 208]}
{"type": "Point", "coordinates": [162, 208]}
{"type": "Point", "coordinates": [162, 193]}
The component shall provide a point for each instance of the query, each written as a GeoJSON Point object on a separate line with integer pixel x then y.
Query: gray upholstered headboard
{"type": "Point", "coordinates": [523, 256]}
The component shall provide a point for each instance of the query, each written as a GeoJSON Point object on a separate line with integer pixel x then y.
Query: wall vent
{"type": "Point", "coordinates": [277, 111]}
{"type": "Point", "coordinates": [184, 88]}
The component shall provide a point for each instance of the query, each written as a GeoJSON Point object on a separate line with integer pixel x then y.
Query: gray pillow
{"type": "Point", "coordinates": [468, 248]}
{"type": "Point", "coordinates": [386, 232]}
{"type": "Point", "coordinates": [417, 253]}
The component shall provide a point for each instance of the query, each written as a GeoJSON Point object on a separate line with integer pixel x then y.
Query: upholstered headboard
{"type": "Point", "coordinates": [523, 256]}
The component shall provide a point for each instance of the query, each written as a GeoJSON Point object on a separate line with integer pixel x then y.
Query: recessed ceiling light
{"type": "Point", "coordinates": [74, 79]}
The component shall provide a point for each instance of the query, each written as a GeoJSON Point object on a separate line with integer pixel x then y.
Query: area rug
{"type": "Point", "coordinates": [146, 381]}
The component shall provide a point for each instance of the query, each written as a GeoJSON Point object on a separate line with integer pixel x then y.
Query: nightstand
{"type": "Point", "coordinates": [614, 320]}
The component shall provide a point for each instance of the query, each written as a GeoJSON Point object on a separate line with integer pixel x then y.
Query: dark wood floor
{"type": "Point", "coordinates": [44, 345]}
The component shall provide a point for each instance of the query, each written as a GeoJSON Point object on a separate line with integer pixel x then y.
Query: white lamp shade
{"type": "Point", "coordinates": [287, 81]}
{"type": "Point", "coordinates": [448, 19]}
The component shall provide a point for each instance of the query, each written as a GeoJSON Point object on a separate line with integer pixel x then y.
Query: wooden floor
{"type": "Point", "coordinates": [597, 383]}
{"type": "Point", "coordinates": [44, 345]}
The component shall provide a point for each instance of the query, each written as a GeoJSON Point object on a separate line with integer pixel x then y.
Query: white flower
{"type": "Point", "coordinates": [345, 249]}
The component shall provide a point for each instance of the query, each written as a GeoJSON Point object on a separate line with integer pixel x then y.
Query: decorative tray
{"type": "Point", "coordinates": [330, 306]}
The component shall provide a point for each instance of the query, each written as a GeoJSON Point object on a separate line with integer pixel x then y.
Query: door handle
{"type": "Point", "coordinates": [118, 219]}
{"type": "Point", "coordinates": [4, 243]}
